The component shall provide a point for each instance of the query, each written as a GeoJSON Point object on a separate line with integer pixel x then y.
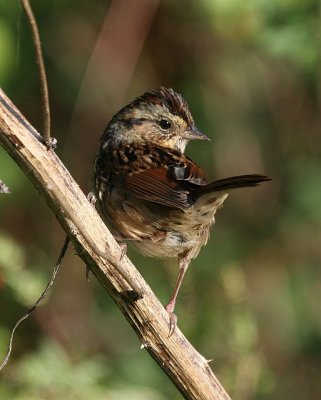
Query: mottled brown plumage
{"type": "Point", "coordinates": [148, 191]}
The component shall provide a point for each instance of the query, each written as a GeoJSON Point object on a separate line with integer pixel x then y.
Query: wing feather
{"type": "Point", "coordinates": [156, 185]}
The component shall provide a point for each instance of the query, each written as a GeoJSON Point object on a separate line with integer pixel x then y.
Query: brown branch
{"type": "Point", "coordinates": [42, 72]}
{"type": "Point", "coordinates": [183, 364]}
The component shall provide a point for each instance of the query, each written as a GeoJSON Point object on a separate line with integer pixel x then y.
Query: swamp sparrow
{"type": "Point", "coordinates": [148, 191]}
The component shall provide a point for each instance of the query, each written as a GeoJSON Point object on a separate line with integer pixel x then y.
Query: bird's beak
{"type": "Point", "coordinates": [194, 134]}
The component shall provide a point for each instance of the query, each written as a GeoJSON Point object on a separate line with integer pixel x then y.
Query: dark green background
{"type": "Point", "coordinates": [250, 71]}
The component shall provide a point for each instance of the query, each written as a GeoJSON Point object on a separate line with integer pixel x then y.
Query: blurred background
{"type": "Point", "coordinates": [250, 72]}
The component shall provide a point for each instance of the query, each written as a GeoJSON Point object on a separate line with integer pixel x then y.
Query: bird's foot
{"type": "Point", "coordinates": [172, 319]}
{"type": "Point", "coordinates": [123, 250]}
{"type": "Point", "coordinates": [91, 198]}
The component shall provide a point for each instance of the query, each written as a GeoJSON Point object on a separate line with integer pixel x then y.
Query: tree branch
{"type": "Point", "coordinates": [188, 370]}
{"type": "Point", "coordinates": [42, 72]}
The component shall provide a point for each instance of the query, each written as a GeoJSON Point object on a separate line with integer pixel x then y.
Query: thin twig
{"type": "Point", "coordinates": [42, 73]}
{"type": "Point", "coordinates": [38, 302]}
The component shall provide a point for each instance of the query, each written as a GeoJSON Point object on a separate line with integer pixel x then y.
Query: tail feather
{"type": "Point", "coordinates": [233, 182]}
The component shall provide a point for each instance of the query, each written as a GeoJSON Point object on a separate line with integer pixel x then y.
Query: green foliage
{"type": "Point", "coordinates": [50, 374]}
{"type": "Point", "coordinates": [13, 264]}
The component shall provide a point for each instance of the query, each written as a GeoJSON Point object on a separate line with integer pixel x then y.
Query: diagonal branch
{"type": "Point", "coordinates": [183, 364]}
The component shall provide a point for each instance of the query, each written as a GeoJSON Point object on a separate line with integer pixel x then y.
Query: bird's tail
{"type": "Point", "coordinates": [233, 182]}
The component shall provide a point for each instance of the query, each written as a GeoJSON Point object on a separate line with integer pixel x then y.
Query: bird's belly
{"type": "Point", "coordinates": [171, 246]}
{"type": "Point", "coordinates": [180, 235]}
{"type": "Point", "coordinates": [162, 232]}
{"type": "Point", "coordinates": [185, 231]}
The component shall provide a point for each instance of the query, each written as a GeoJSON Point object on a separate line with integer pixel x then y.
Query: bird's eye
{"type": "Point", "coordinates": [164, 124]}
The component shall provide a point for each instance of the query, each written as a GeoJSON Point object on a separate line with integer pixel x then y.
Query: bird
{"type": "Point", "coordinates": [148, 192]}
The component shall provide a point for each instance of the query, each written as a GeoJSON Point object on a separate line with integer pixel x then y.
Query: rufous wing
{"type": "Point", "coordinates": [156, 185]}
{"type": "Point", "coordinates": [170, 186]}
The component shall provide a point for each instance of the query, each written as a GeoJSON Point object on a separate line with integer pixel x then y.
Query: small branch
{"type": "Point", "coordinates": [188, 370]}
{"type": "Point", "coordinates": [42, 72]}
{"type": "Point", "coordinates": [38, 302]}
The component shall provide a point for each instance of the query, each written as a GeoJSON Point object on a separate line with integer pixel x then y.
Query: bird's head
{"type": "Point", "coordinates": [159, 117]}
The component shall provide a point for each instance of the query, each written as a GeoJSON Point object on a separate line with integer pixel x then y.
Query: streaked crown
{"type": "Point", "coordinates": [159, 116]}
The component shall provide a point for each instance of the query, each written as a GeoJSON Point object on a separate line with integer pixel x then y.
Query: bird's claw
{"type": "Point", "coordinates": [123, 250]}
{"type": "Point", "coordinates": [172, 319]}
{"type": "Point", "coordinates": [91, 198]}
{"type": "Point", "coordinates": [172, 324]}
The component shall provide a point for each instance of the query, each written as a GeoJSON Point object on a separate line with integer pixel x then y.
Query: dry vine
{"type": "Point", "coordinates": [42, 73]}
